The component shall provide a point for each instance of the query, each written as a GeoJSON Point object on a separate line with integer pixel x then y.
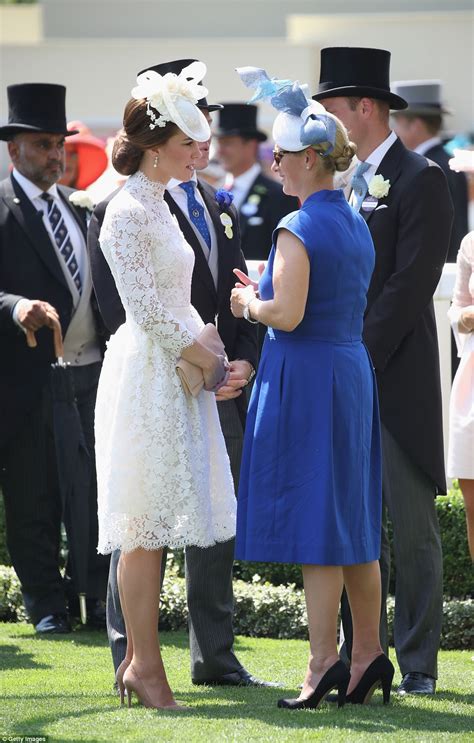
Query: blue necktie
{"type": "Point", "coordinates": [196, 212]}
{"type": "Point", "coordinates": [63, 239]}
{"type": "Point", "coordinates": [359, 184]}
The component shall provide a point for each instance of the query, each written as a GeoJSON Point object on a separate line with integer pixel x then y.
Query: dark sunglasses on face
{"type": "Point", "coordinates": [278, 155]}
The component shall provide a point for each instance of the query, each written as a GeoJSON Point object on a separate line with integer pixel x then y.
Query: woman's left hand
{"type": "Point", "coordinates": [239, 298]}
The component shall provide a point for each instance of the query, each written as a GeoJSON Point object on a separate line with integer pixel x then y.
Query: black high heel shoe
{"type": "Point", "coordinates": [379, 673]}
{"type": "Point", "coordinates": [337, 676]}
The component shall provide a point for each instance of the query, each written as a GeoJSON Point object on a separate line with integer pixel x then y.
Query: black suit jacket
{"type": "Point", "coordinates": [457, 183]}
{"type": "Point", "coordinates": [257, 228]}
{"type": "Point", "coordinates": [239, 336]}
{"type": "Point", "coordinates": [29, 267]}
{"type": "Point", "coordinates": [410, 228]}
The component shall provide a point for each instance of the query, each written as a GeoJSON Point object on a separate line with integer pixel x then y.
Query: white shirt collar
{"type": "Point", "coordinates": [376, 157]}
{"type": "Point", "coordinates": [174, 183]}
{"type": "Point", "coordinates": [423, 147]}
{"type": "Point", "coordinates": [30, 189]}
{"type": "Point", "coordinates": [245, 180]}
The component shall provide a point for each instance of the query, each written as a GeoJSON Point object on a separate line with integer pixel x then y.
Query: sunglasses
{"type": "Point", "coordinates": [278, 155]}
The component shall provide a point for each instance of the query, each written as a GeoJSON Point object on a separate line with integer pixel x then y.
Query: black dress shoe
{"type": "Point", "coordinates": [417, 683]}
{"type": "Point", "coordinates": [237, 678]}
{"type": "Point", "coordinates": [53, 624]}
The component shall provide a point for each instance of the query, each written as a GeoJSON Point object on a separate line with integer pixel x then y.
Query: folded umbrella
{"type": "Point", "coordinates": [74, 467]}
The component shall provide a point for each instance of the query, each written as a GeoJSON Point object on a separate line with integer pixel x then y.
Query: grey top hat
{"type": "Point", "coordinates": [423, 96]}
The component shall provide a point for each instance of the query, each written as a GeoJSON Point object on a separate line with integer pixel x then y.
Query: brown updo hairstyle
{"type": "Point", "coordinates": [343, 152]}
{"type": "Point", "coordinates": [136, 137]}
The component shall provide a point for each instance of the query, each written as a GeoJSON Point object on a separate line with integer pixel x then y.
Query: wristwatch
{"type": "Point", "coordinates": [252, 373]}
{"type": "Point", "coordinates": [246, 312]}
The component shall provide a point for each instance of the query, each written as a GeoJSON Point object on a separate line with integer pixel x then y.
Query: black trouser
{"type": "Point", "coordinates": [33, 503]}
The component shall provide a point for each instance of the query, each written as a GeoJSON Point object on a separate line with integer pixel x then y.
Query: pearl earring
{"type": "Point", "coordinates": [155, 161]}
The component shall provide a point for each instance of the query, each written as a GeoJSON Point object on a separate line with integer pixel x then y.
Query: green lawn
{"type": "Point", "coordinates": [61, 688]}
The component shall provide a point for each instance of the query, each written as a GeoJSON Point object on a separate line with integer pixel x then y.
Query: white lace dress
{"type": "Point", "coordinates": [163, 472]}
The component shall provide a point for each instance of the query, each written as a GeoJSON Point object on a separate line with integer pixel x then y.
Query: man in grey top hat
{"type": "Point", "coordinates": [419, 127]}
{"type": "Point", "coordinates": [405, 201]}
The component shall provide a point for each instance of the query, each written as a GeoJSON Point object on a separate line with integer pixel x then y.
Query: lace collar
{"type": "Point", "coordinates": [155, 189]}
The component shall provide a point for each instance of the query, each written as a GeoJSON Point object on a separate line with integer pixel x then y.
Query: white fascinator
{"type": "Point", "coordinates": [172, 97]}
{"type": "Point", "coordinates": [301, 122]}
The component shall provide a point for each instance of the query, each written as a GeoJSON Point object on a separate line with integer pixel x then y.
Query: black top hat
{"type": "Point", "coordinates": [36, 107]}
{"type": "Point", "coordinates": [239, 120]}
{"type": "Point", "coordinates": [356, 71]}
{"type": "Point", "coordinates": [176, 66]}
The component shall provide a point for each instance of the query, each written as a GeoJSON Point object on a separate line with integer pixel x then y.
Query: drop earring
{"type": "Point", "coordinates": [155, 161]}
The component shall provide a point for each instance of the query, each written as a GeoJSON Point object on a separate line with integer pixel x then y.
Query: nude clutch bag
{"type": "Point", "coordinates": [190, 375]}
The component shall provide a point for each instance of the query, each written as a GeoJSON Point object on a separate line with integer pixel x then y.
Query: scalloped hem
{"type": "Point", "coordinates": [150, 545]}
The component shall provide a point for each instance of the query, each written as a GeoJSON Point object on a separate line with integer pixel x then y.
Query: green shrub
{"type": "Point", "coordinates": [261, 610]}
{"type": "Point", "coordinates": [4, 554]}
{"type": "Point", "coordinates": [11, 600]}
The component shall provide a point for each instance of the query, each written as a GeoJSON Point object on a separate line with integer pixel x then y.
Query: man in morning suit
{"type": "Point", "coordinates": [259, 200]}
{"type": "Point", "coordinates": [208, 571]}
{"type": "Point", "coordinates": [409, 213]}
{"type": "Point", "coordinates": [419, 127]}
{"type": "Point", "coordinates": [44, 275]}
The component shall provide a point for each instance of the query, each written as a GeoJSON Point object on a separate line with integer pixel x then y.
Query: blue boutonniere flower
{"type": "Point", "coordinates": [224, 198]}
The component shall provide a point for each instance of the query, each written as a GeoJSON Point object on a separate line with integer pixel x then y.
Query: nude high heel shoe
{"type": "Point", "coordinates": [119, 678]}
{"type": "Point", "coordinates": [134, 684]}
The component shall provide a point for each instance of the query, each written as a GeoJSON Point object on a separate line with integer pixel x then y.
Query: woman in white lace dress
{"type": "Point", "coordinates": [461, 410]}
{"type": "Point", "coordinates": [163, 473]}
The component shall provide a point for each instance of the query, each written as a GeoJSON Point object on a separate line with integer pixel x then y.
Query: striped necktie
{"type": "Point", "coordinates": [63, 240]}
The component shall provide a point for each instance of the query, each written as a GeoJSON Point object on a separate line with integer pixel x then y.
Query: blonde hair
{"type": "Point", "coordinates": [344, 150]}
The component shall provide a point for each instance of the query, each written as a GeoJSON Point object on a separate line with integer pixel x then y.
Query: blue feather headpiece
{"type": "Point", "coordinates": [301, 122]}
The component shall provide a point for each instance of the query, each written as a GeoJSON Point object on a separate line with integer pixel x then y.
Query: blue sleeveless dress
{"type": "Point", "coordinates": [310, 483]}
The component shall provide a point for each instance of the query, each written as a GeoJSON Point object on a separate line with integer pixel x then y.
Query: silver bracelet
{"type": "Point", "coordinates": [246, 312]}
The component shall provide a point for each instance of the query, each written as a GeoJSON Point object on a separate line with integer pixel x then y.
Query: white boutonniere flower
{"type": "Point", "coordinates": [82, 199]}
{"type": "Point", "coordinates": [226, 221]}
{"type": "Point", "coordinates": [379, 187]}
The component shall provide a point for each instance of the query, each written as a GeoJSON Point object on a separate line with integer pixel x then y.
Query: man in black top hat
{"type": "Point", "coordinates": [405, 201]}
{"type": "Point", "coordinates": [45, 275]}
{"type": "Point", "coordinates": [259, 200]}
{"type": "Point", "coordinates": [419, 127]}
{"type": "Point", "coordinates": [208, 570]}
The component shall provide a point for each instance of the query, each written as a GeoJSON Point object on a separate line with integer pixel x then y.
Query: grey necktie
{"type": "Point", "coordinates": [359, 184]}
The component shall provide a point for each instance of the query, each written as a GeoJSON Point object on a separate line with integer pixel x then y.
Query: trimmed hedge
{"type": "Point", "coordinates": [261, 610]}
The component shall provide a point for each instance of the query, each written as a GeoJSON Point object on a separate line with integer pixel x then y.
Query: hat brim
{"type": "Point", "coordinates": [396, 102]}
{"type": "Point", "coordinates": [247, 133]}
{"type": "Point", "coordinates": [92, 159]}
{"type": "Point", "coordinates": [427, 110]}
{"type": "Point", "coordinates": [9, 131]}
{"type": "Point", "coordinates": [209, 106]}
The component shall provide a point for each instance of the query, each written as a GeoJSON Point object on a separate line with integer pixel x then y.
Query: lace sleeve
{"type": "Point", "coordinates": [129, 242]}
{"type": "Point", "coordinates": [462, 298]}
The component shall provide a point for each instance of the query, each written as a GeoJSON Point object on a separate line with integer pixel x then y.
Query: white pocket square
{"type": "Point", "coordinates": [382, 206]}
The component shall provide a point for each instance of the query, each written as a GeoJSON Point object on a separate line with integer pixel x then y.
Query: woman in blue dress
{"type": "Point", "coordinates": [310, 483]}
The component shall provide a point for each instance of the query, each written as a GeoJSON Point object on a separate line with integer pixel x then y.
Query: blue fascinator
{"type": "Point", "coordinates": [301, 122]}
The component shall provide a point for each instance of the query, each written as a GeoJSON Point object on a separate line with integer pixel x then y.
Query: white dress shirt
{"type": "Point", "coordinates": [427, 145]}
{"type": "Point", "coordinates": [241, 184]}
{"type": "Point", "coordinates": [81, 346]}
{"type": "Point", "coordinates": [374, 160]}
{"type": "Point", "coordinates": [179, 195]}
